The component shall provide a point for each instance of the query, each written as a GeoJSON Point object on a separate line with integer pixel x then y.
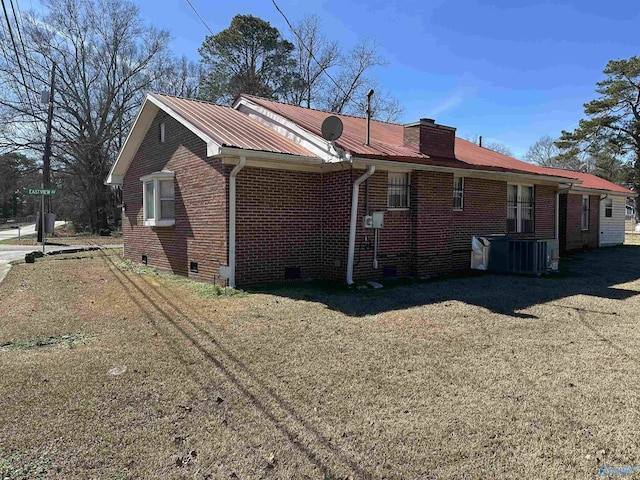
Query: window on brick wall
{"type": "Point", "coordinates": [158, 199]}
{"type": "Point", "coordinates": [585, 212]}
{"type": "Point", "coordinates": [608, 207]}
{"type": "Point", "coordinates": [398, 190]}
{"type": "Point", "coordinates": [458, 193]}
{"type": "Point", "coordinates": [520, 209]}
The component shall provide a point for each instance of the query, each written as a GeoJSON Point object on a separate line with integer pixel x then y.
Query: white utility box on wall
{"type": "Point", "coordinates": [378, 219]}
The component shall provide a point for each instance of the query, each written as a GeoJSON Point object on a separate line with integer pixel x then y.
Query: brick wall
{"type": "Point", "coordinates": [576, 238]}
{"type": "Point", "coordinates": [200, 231]}
{"type": "Point", "coordinates": [394, 244]}
{"type": "Point", "coordinates": [289, 219]}
{"type": "Point", "coordinates": [279, 224]}
{"type": "Point", "coordinates": [545, 216]}
{"type": "Point", "coordinates": [336, 212]}
{"type": "Point", "coordinates": [484, 213]}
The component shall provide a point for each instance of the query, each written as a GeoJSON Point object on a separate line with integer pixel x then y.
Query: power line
{"type": "Point", "coordinates": [15, 49]}
{"type": "Point", "coordinates": [293, 30]}
{"type": "Point", "coordinates": [24, 50]}
{"type": "Point", "coordinates": [201, 19]}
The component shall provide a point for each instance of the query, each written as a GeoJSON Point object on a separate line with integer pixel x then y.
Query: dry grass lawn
{"type": "Point", "coordinates": [479, 377]}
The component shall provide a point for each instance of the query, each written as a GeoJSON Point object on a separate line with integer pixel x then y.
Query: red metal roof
{"type": "Point", "coordinates": [387, 142]}
{"type": "Point", "coordinates": [590, 181]}
{"type": "Point", "coordinates": [229, 127]}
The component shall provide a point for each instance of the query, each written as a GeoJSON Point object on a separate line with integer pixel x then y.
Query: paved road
{"type": "Point", "coordinates": [9, 253]}
{"type": "Point", "coordinates": [26, 230]}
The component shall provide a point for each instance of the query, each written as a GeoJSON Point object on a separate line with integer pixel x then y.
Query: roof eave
{"type": "Point", "coordinates": [601, 191]}
{"type": "Point", "coordinates": [243, 152]}
{"type": "Point", "coordinates": [150, 108]}
{"type": "Point", "coordinates": [471, 169]}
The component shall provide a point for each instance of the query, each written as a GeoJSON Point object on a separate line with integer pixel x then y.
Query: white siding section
{"type": "Point", "coordinates": [612, 228]}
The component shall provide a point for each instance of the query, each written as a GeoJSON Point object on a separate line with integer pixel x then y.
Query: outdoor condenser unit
{"type": "Point", "coordinates": [504, 254]}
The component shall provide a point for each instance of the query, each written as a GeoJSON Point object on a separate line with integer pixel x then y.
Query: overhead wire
{"type": "Point", "coordinates": [201, 19]}
{"type": "Point", "coordinates": [293, 30]}
{"type": "Point", "coordinates": [17, 19]}
{"type": "Point", "coordinates": [15, 49]}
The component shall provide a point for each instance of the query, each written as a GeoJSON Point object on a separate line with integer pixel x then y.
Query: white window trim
{"type": "Point", "coordinates": [519, 206]}
{"type": "Point", "coordinates": [582, 210]}
{"type": "Point", "coordinates": [156, 177]}
{"type": "Point", "coordinates": [408, 177]}
{"type": "Point", "coordinates": [608, 207]}
{"type": "Point", "coordinates": [461, 192]}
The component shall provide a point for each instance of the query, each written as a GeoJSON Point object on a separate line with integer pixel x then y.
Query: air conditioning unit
{"type": "Point", "coordinates": [503, 254]}
{"type": "Point", "coordinates": [367, 221]}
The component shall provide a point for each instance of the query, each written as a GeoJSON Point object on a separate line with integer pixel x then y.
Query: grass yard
{"type": "Point", "coordinates": [111, 371]}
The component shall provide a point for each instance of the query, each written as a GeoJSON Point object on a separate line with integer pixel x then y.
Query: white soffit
{"type": "Point", "coordinates": [320, 147]}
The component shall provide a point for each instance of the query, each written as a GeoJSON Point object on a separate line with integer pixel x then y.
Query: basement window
{"type": "Point", "coordinates": [458, 193]}
{"type": "Point", "coordinates": [398, 190]}
{"type": "Point", "coordinates": [585, 212]}
{"type": "Point", "coordinates": [608, 207]}
{"type": "Point", "coordinates": [520, 209]}
{"type": "Point", "coordinates": [158, 200]}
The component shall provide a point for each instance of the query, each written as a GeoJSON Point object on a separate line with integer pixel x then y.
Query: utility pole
{"type": "Point", "coordinates": [46, 159]}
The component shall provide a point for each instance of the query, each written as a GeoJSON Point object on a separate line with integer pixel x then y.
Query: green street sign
{"type": "Point", "coordinates": [43, 191]}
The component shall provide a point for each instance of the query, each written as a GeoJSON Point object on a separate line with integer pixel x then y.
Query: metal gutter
{"type": "Point", "coordinates": [469, 171]}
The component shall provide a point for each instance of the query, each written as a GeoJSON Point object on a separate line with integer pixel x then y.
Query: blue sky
{"type": "Point", "coordinates": [510, 70]}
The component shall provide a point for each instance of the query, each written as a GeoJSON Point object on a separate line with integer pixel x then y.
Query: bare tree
{"type": "Point", "coordinates": [315, 56]}
{"type": "Point", "coordinates": [106, 59]}
{"type": "Point", "coordinates": [351, 78]}
{"type": "Point", "coordinates": [544, 153]}
{"type": "Point", "coordinates": [498, 147]}
{"type": "Point", "coordinates": [181, 78]}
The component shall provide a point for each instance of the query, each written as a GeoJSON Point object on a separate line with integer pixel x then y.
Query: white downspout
{"type": "Point", "coordinates": [354, 220]}
{"type": "Point", "coordinates": [606, 195]}
{"type": "Point", "coordinates": [232, 221]}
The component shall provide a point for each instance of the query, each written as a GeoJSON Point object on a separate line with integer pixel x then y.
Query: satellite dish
{"type": "Point", "coordinates": [332, 128]}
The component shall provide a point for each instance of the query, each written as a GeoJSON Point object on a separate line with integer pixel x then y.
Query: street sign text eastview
{"type": "Point", "coordinates": [43, 191]}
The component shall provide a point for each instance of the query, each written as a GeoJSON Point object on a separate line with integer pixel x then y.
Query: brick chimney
{"type": "Point", "coordinates": [430, 138]}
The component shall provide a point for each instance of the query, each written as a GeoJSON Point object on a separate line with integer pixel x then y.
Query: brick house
{"type": "Point", "coordinates": [253, 193]}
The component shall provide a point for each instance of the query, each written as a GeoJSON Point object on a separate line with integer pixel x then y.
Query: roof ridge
{"type": "Point", "coordinates": [319, 110]}
{"type": "Point", "coordinates": [206, 102]}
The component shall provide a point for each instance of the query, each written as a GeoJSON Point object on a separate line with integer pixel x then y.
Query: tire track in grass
{"type": "Point", "coordinates": [280, 413]}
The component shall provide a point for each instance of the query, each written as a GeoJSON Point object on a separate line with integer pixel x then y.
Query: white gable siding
{"type": "Point", "coordinates": [612, 228]}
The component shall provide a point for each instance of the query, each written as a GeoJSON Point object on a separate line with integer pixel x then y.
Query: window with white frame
{"type": "Point", "coordinates": [608, 207]}
{"type": "Point", "coordinates": [159, 199]}
{"type": "Point", "coordinates": [458, 192]}
{"type": "Point", "coordinates": [585, 212]}
{"type": "Point", "coordinates": [520, 209]}
{"type": "Point", "coordinates": [398, 190]}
